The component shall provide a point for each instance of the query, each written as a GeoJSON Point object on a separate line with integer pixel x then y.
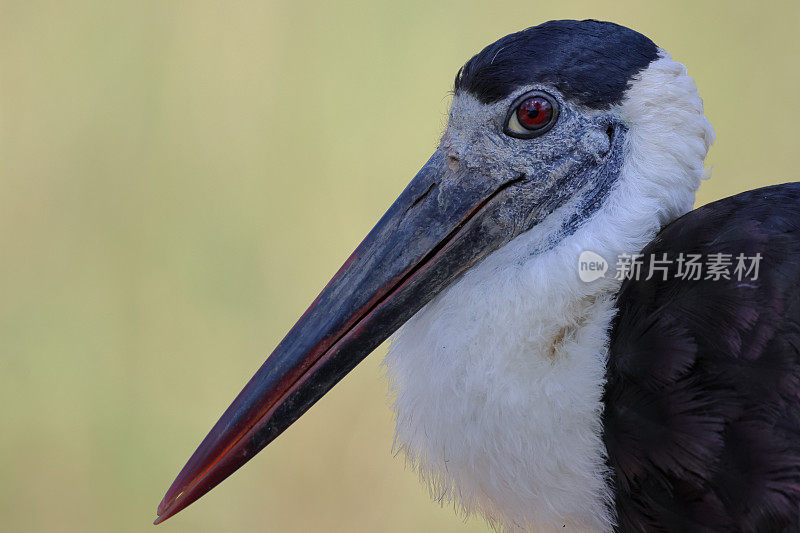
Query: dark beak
{"type": "Point", "coordinates": [444, 222]}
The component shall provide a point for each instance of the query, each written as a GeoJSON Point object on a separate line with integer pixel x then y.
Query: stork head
{"type": "Point", "coordinates": [549, 129]}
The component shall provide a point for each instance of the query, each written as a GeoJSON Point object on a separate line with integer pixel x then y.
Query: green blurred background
{"type": "Point", "coordinates": [178, 179]}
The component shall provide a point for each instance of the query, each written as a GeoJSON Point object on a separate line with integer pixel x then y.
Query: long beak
{"type": "Point", "coordinates": [444, 222]}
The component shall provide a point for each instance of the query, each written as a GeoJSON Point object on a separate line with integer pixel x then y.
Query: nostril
{"type": "Point", "coordinates": [422, 196]}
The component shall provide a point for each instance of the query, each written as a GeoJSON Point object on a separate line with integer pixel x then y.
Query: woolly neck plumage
{"type": "Point", "coordinates": [498, 381]}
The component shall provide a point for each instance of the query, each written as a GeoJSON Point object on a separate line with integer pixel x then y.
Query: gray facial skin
{"type": "Point", "coordinates": [577, 161]}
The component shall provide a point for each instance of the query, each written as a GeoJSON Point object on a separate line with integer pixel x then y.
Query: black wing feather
{"type": "Point", "coordinates": [702, 402]}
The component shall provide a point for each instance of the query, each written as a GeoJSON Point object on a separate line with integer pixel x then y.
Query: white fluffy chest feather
{"type": "Point", "coordinates": [498, 386]}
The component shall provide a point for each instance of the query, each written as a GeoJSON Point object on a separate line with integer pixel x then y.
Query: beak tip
{"type": "Point", "coordinates": [164, 512]}
{"type": "Point", "coordinates": [162, 507]}
{"type": "Point", "coordinates": [167, 508]}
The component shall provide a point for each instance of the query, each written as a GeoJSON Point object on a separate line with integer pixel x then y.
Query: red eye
{"type": "Point", "coordinates": [531, 115]}
{"type": "Point", "coordinates": [535, 113]}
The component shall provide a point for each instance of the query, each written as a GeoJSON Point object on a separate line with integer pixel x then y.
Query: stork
{"type": "Point", "coordinates": [524, 392]}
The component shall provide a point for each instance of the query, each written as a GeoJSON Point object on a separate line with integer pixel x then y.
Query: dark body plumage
{"type": "Point", "coordinates": [702, 416]}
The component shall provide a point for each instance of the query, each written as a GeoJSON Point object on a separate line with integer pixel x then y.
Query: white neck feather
{"type": "Point", "coordinates": [498, 381]}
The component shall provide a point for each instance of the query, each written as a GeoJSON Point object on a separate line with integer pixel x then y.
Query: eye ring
{"type": "Point", "coordinates": [534, 125]}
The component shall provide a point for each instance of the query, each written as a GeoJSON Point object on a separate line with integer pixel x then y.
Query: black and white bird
{"type": "Point", "coordinates": [530, 395]}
